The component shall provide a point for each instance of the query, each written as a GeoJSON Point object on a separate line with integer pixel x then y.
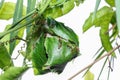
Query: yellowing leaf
{"type": "Point", "coordinates": [89, 76]}
{"type": "Point", "coordinates": [7, 10]}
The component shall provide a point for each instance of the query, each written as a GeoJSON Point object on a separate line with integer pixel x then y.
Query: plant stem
{"type": "Point", "coordinates": [108, 54]}
{"type": "Point", "coordinates": [13, 28]}
{"type": "Point", "coordinates": [18, 27]}
{"type": "Point", "coordinates": [20, 20]}
{"type": "Point", "coordinates": [102, 68]}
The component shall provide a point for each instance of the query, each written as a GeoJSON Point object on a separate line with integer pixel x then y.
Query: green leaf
{"type": "Point", "coordinates": [104, 36]}
{"type": "Point", "coordinates": [6, 38]}
{"type": "Point", "coordinates": [113, 20]}
{"type": "Point", "coordinates": [102, 16]}
{"type": "Point", "coordinates": [39, 55]}
{"type": "Point", "coordinates": [19, 26]}
{"type": "Point", "coordinates": [78, 2]}
{"type": "Point", "coordinates": [30, 8]}
{"type": "Point", "coordinates": [43, 5]}
{"type": "Point", "coordinates": [105, 39]}
{"type": "Point", "coordinates": [89, 76]}
{"type": "Point", "coordinates": [58, 51]}
{"type": "Point", "coordinates": [102, 50]}
{"type": "Point", "coordinates": [53, 12]}
{"type": "Point", "coordinates": [68, 6]}
{"type": "Point", "coordinates": [5, 59]}
{"type": "Point", "coordinates": [63, 31]}
{"type": "Point", "coordinates": [30, 5]}
{"type": "Point", "coordinates": [32, 37]}
{"type": "Point", "coordinates": [17, 15]}
{"type": "Point", "coordinates": [29, 28]}
{"type": "Point", "coordinates": [56, 2]}
{"type": "Point", "coordinates": [59, 8]}
{"type": "Point", "coordinates": [67, 48]}
{"type": "Point", "coordinates": [118, 13]}
{"type": "Point", "coordinates": [7, 10]}
{"type": "Point", "coordinates": [18, 10]}
{"type": "Point", "coordinates": [88, 23]}
{"type": "Point", "coordinates": [111, 2]}
{"type": "Point", "coordinates": [13, 73]}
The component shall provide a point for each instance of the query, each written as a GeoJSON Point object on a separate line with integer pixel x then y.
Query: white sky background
{"type": "Point", "coordinates": [89, 44]}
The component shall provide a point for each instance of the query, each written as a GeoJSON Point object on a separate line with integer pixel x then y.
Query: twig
{"type": "Point", "coordinates": [110, 67]}
{"type": "Point", "coordinates": [113, 26]}
{"type": "Point", "coordinates": [117, 42]}
{"type": "Point", "coordinates": [108, 54]}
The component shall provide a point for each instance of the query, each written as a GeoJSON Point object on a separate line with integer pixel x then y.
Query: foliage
{"type": "Point", "coordinates": [13, 73]}
{"type": "Point", "coordinates": [89, 76]}
{"type": "Point", "coordinates": [52, 44]}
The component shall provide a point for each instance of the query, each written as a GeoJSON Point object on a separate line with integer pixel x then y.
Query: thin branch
{"type": "Point", "coordinates": [102, 68]}
{"type": "Point", "coordinates": [118, 38]}
{"type": "Point", "coordinates": [113, 26]}
{"type": "Point", "coordinates": [18, 27]}
{"type": "Point", "coordinates": [110, 67]}
{"type": "Point", "coordinates": [108, 54]}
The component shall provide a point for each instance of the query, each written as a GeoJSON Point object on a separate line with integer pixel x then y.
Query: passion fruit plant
{"type": "Point", "coordinates": [50, 44]}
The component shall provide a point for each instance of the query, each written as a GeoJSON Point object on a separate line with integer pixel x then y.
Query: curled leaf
{"type": "Point", "coordinates": [105, 39]}
{"type": "Point", "coordinates": [55, 46]}
{"type": "Point", "coordinates": [58, 51]}
{"type": "Point", "coordinates": [102, 16]}
{"type": "Point", "coordinates": [62, 31]}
